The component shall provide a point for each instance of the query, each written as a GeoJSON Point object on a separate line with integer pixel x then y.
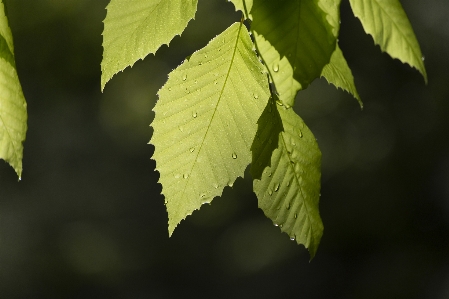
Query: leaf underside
{"type": "Point", "coordinates": [387, 22]}
{"type": "Point", "coordinates": [13, 114]}
{"type": "Point", "coordinates": [287, 179]}
{"type": "Point", "coordinates": [135, 28]}
{"type": "Point", "coordinates": [206, 119]}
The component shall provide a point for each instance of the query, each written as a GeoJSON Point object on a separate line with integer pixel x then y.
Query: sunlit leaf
{"type": "Point", "coordinates": [338, 73]}
{"type": "Point", "coordinates": [299, 31]}
{"type": "Point", "coordinates": [13, 114]}
{"type": "Point", "coordinates": [287, 182]}
{"type": "Point", "coordinates": [135, 28]}
{"type": "Point", "coordinates": [387, 23]}
{"type": "Point", "coordinates": [206, 121]}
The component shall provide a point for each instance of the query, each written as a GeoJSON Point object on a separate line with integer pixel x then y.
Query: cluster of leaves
{"type": "Point", "coordinates": [229, 103]}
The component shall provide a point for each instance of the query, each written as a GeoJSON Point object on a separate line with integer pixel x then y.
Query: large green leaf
{"type": "Point", "coordinates": [288, 190]}
{"type": "Point", "coordinates": [13, 114]}
{"type": "Point", "coordinates": [206, 119]}
{"type": "Point", "coordinates": [338, 73]}
{"type": "Point", "coordinates": [390, 28]}
{"type": "Point", "coordinates": [135, 28]}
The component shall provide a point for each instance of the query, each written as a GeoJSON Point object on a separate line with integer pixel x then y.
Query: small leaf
{"type": "Point", "coordinates": [135, 28]}
{"type": "Point", "coordinates": [338, 73]}
{"type": "Point", "coordinates": [206, 119]}
{"type": "Point", "coordinates": [288, 191]}
{"type": "Point", "coordinates": [387, 23]}
{"type": "Point", "coordinates": [13, 114]}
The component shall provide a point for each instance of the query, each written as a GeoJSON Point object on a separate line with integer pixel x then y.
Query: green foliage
{"type": "Point", "coordinates": [13, 114]}
{"type": "Point", "coordinates": [387, 23]}
{"type": "Point", "coordinates": [230, 103]}
{"type": "Point", "coordinates": [135, 28]}
{"type": "Point", "coordinates": [287, 179]}
{"type": "Point", "coordinates": [206, 121]}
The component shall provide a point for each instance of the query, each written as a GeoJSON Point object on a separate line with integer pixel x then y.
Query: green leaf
{"type": "Point", "coordinates": [13, 114]}
{"type": "Point", "coordinates": [206, 119]}
{"type": "Point", "coordinates": [281, 73]}
{"type": "Point", "coordinates": [289, 188]}
{"type": "Point", "coordinates": [387, 23]}
{"type": "Point", "coordinates": [135, 28]}
{"type": "Point", "coordinates": [338, 73]}
{"type": "Point", "coordinates": [299, 31]}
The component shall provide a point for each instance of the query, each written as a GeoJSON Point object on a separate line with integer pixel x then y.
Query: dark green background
{"type": "Point", "coordinates": [88, 221]}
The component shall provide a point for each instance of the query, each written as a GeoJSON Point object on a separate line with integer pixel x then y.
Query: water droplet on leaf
{"type": "Point", "coordinates": [194, 114]}
{"type": "Point", "coordinates": [276, 67]}
{"type": "Point", "coordinates": [276, 187]}
{"type": "Point", "coordinates": [184, 77]}
{"type": "Point", "coordinates": [185, 175]}
{"type": "Point", "coordinates": [270, 191]}
{"type": "Point", "coordinates": [234, 156]}
{"type": "Point", "coordinates": [192, 149]}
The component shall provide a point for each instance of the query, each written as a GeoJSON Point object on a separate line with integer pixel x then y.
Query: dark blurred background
{"type": "Point", "coordinates": [88, 221]}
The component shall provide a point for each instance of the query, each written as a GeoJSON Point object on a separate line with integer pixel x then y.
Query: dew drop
{"type": "Point", "coordinates": [275, 224]}
{"type": "Point", "coordinates": [192, 149]}
{"type": "Point", "coordinates": [187, 91]}
{"type": "Point", "coordinates": [169, 89]}
{"type": "Point", "coordinates": [269, 174]}
{"type": "Point", "coordinates": [200, 63]}
{"type": "Point", "coordinates": [195, 115]}
{"type": "Point", "coordinates": [185, 175]}
{"type": "Point", "coordinates": [276, 67]}
{"type": "Point", "coordinates": [202, 195]}
{"type": "Point", "coordinates": [292, 238]}
{"type": "Point", "coordinates": [205, 55]}
{"type": "Point", "coordinates": [230, 184]}
{"type": "Point", "coordinates": [423, 58]}
{"type": "Point", "coordinates": [276, 187]}
{"type": "Point", "coordinates": [215, 82]}
{"type": "Point", "coordinates": [165, 201]}
{"type": "Point", "coordinates": [296, 216]}
{"type": "Point", "coordinates": [184, 77]}
{"type": "Point", "coordinates": [270, 191]}
{"type": "Point", "coordinates": [256, 96]}
{"type": "Point", "coordinates": [300, 134]}
{"type": "Point", "coordinates": [288, 206]}
{"type": "Point", "coordinates": [234, 156]}
{"type": "Point", "coordinates": [279, 103]}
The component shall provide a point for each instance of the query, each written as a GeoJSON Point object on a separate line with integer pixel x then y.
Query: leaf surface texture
{"type": "Point", "coordinates": [206, 119]}
{"type": "Point", "coordinates": [387, 22]}
{"type": "Point", "coordinates": [135, 28]}
{"type": "Point", "coordinates": [287, 182]}
{"type": "Point", "coordinates": [13, 114]}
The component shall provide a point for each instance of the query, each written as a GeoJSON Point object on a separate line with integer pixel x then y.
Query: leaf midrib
{"type": "Point", "coordinates": [215, 110]}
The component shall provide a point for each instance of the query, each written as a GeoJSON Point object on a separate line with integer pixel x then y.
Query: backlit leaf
{"type": "Point", "coordinates": [387, 23]}
{"type": "Point", "coordinates": [287, 182]}
{"type": "Point", "coordinates": [206, 120]}
{"type": "Point", "coordinates": [13, 114]}
{"type": "Point", "coordinates": [135, 28]}
{"type": "Point", "coordinates": [338, 73]}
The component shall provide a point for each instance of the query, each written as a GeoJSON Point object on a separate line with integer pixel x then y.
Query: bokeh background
{"type": "Point", "coordinates": [88, 221]}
